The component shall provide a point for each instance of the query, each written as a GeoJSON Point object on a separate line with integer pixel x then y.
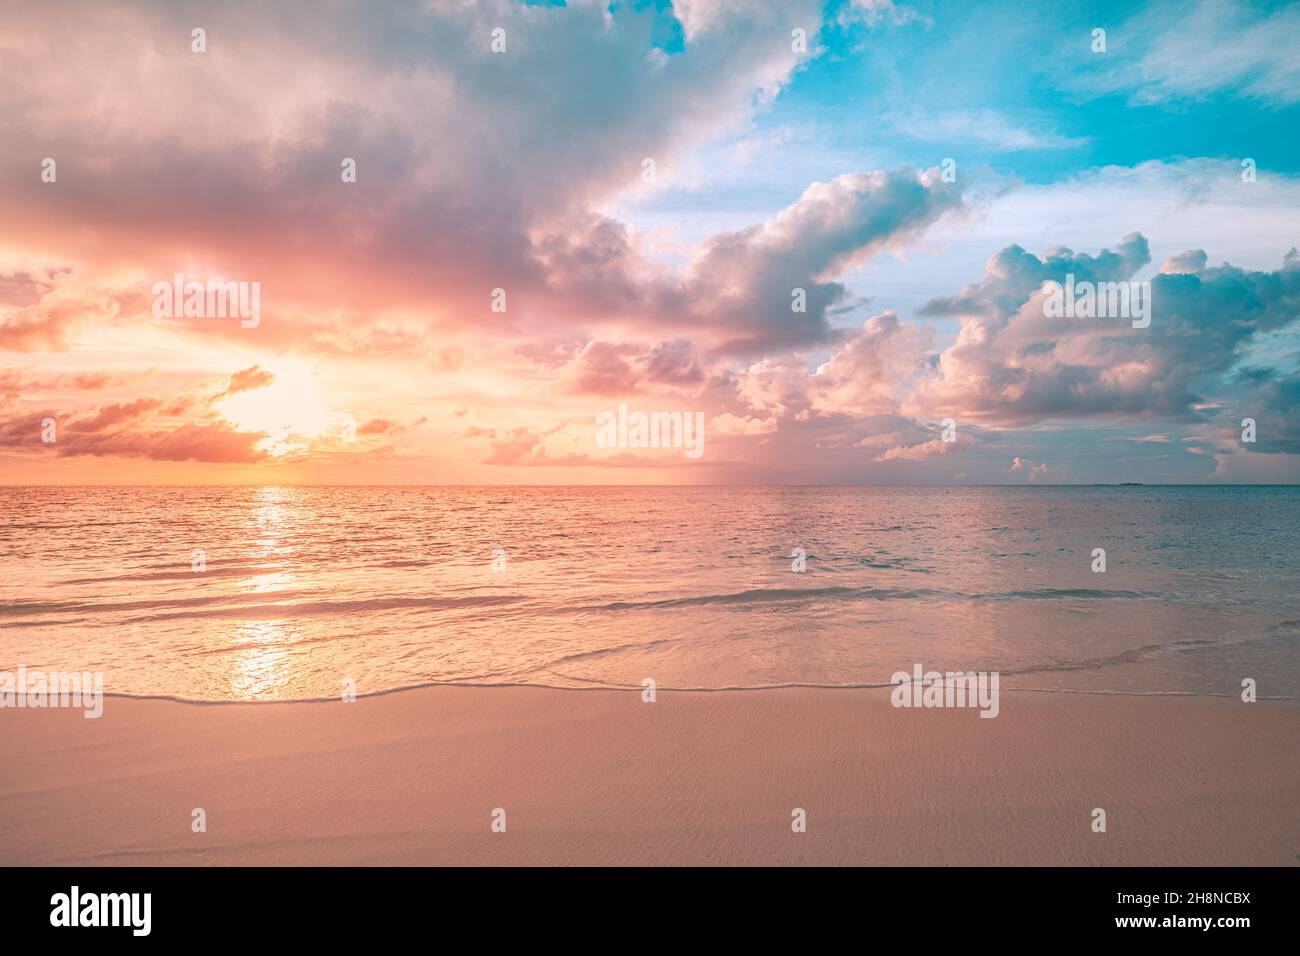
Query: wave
{"type": "Point", "coordinates": [770, 595]}
{"type": "Point", "coordinates": [316, 608]}
{"type": "Point", "coordinates": [759, 595]}
{"type": "Point", "coordinates": [179, 573]}
{"type": "Point", "coordinates": [606, 651]}
{"type": "Point", "coordinates": [1287, 629]}
{"type": "Point", "coordinates": [291, 603]}
{"type": "Point", "coordinates": [65, 607]}
{"type": "Point", "coordinates": [1049, 594]}
{"type": "Point", "coordinates": [235, 605]}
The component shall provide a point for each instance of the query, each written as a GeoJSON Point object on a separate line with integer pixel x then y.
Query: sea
{"type": "Point", "coordinates": [297, 593]}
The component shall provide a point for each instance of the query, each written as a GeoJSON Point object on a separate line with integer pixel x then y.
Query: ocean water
{"type": "Point", "coordinates": [302, 588]}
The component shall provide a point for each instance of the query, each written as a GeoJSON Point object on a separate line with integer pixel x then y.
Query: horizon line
{"type": "Point", "coordinates": [1085, 484]}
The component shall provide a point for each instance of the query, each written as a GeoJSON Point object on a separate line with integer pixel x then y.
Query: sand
{"type": "Point", "coordinates": [599, 777]}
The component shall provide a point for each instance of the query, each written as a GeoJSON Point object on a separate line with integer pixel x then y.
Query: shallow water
{"type": "Point", "coordinates": [303, 588]}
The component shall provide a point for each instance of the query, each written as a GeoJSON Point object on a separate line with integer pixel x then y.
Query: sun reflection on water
{"type": "Point", "coordinates": [261, 668]}
{"type": "Point", "coordinates": [263, 663]}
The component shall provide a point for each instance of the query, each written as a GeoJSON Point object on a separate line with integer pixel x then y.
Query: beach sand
{"type": "Point", "coordinates": [599, 777]}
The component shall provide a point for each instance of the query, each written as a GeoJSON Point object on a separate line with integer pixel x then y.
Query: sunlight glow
{"type": "Point", "coordinates": [292, 410]}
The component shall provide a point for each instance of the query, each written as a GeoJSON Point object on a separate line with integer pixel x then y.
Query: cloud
{"type": "Point", "coordinates": [868, 374]}
{"type": "Point", "coordinates": [377, 426]}
{"type": "Point", "coordinates": [1011, 365]}
{"type": "Point", "coordinates": [986, 129]}
{"type": "Point", "coordinates": [124, 429]}
{"type": "Point", "coordinates": [246, 380]}
{"type": "Point", "coordinates": [93, 381]}
{"type": "Point", "coordinates": [624, 368]}
{"type": "Point", "coordinates": [215, 443]}
{"type": "Point", "coordinates": [434, 221]}
{"type": "Point", "coordinates": [191, 442]}
{"type": "Point", "coordinates": [522, 446]}
{"type": "Point", "coordinates": [24, 431]}
{"type": "Point", "coordinates": [745, 280]}
{"type": "Point", "coordinates": [765, 287]}
{"type": "Point", "coordinates": [1033, 470]}
{"type": "Point", "coordinates": [604, 368]}
{"type": "Point", "coordinates": [113, 415]}
{"type": "Point", "coordinates": [471, 174]}
{"type": "Point", "coordinates": [39, 311]}
{"type": "Point", "coordinates": [920, 452]}
{"type": "Point", "coordinates": [875, 12]}
{"type": "Point", "coordinates": [728, 424]}
{"type": "Point", "coordinates": [1191, 261]}
{"type": "Point", "coordinates": [1173, 51]}
{"type": "Point", "coordinates": [1275, 405]}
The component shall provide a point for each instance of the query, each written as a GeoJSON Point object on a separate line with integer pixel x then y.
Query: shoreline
{"type": "Point", "coordinates": [633, 688]}
{"type": "Point", "coordinates": [412, 777]}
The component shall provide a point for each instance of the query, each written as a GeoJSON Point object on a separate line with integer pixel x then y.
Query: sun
{"type": "Point", "coordinates": [293, 411]}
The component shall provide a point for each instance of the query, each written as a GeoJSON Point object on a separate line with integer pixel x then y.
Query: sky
{"type": "Point", "coordinates": [473, 231]}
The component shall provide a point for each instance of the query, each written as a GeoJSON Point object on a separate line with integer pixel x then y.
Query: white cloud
{"type": "Point", "coordinates": [985, 128]}
{"type": "Point", "coordinates": [1171, 52]}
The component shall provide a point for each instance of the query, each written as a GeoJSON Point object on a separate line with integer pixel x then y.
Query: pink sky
{"type": "Point", "coordinates": [379, 358]}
